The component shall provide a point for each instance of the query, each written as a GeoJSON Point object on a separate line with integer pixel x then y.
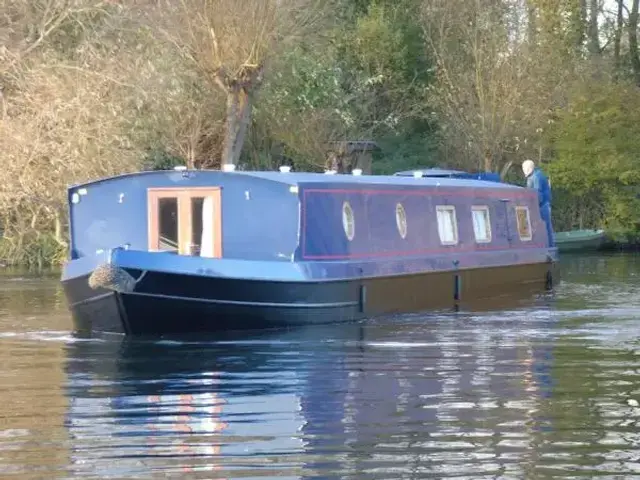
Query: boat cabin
{"type": "Point", "coordinates": [286, 216]}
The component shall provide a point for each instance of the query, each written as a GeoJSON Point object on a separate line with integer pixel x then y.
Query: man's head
{"type": "Point", "coordinates": [527, 167]}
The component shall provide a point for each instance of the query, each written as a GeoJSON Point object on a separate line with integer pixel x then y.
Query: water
{"type": "Point", "coordinates": [545, 389]}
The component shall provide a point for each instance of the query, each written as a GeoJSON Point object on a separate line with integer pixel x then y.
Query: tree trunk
{"type": "Point", "coordinates": [239, 108]}
{"type": "Point", "coordinates": [633, 40]}
{"type": "Point", "coordinates": [594, 41]}
{"type": "Point", "coordinates": [618, 37]}
{"type": "Point", "coordinates": [505, 169]}
{"type": "Point", "coordinates": [246, 108]}
{"type": "Point", "coordinates": [238, 117]}
{"type": "Point", "coordinates": [583, 18]}
{"type": "Point", "coordinates": [532, 24]}
{"type": "Point", "coordinates": [58, 229]}
{"type": "Point", "coordinates": [578, 23]}
{"type": "Point", "coordinates": [488, 161]}
{"type": "Point", "coordinates": [230, 128]}
{"type": "Point", "coordinates": [3, 105]}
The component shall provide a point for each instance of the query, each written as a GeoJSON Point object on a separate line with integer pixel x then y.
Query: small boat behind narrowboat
{"type": "Point", "coordinates": [580, 241]}
{"type": "Point", "coordinates": [182, 251]}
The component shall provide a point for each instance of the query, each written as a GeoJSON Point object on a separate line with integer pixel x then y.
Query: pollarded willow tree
{"type": "Point", "coordinates": [230, 43]}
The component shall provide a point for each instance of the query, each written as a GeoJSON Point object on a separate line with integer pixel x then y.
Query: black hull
{"type": "Point", "coordinates": [181, 304]}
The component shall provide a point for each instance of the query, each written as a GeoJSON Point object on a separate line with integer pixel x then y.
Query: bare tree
{"type": "Point", "coordinates": [27, 25]}
{"type": "Point", "coordinates": [230, 43]}
{"type": "Point", "coordinates": [486, 92]}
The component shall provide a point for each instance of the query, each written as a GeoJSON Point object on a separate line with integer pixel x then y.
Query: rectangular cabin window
{"type": "Point", "coordinates": [481, 224]}
{"type": "Point", "coordinates": [168, 224]}
{"type": "Point", "coordinates": [447, 224]}
{"type": "Point", "coordinates": [524, 223]}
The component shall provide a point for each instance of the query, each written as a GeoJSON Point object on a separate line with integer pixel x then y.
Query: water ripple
{"type": "Point", "coordinates": [548, 389]}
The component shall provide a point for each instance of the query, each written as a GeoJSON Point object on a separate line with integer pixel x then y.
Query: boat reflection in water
{"type": "Point", "coordinates": [362, 399]}
{"type": "Point", "coordinates": [174, 407]}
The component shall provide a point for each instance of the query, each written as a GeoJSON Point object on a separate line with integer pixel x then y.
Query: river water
{"type": "Point", "coordinates": [546, 388]}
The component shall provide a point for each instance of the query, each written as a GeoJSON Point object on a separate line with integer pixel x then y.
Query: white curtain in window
{"type": "Point", "coordinates": [446, 228]}
{"type": "Point", "coordinates": [480, 225]}
{"type": "Point", "coordinates": [207, 250]}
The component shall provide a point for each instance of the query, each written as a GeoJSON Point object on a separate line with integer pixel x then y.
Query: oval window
{"type": "Point", "coordinates": [401, 220]}
{"type": "Point", "coordinates": [347, 221]}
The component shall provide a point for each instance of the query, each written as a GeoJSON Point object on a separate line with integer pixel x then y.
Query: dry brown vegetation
{"type": "Point", "coordinates": [87, 87]}
{"type": "Point", "coordinates": [59, 122]}
{"type": "Point", "coordinates": [90, 88]}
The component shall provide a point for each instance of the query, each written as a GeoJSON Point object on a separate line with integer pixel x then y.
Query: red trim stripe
{"type": "Point", "coordinates": [451, 250]}
{"type": "Point", "coordinates": [436, 191]}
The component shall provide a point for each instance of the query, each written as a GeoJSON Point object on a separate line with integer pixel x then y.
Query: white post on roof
{"type": "Point", "coordinates": [357, 171]}
{"type": "Point", "coordinates": [329, 172]}
{"type": "Point", "coordinates": [228, 167]}
{"type": "Point", "coordinates": [285, 169]}
{"type": "Point", "coordinates": [417, 174]}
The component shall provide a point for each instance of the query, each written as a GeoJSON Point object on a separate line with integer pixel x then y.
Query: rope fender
{"type": "Point", "coordinates": [110, 277]}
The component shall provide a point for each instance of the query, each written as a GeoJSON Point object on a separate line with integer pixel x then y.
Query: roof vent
{"type": "Point", "coordinates": [180, 168]}
{"type": "Point", "coordinates": [357, 171]}
{"type": "Point", "coordinates": [329, 172]}
{"type": "Point", "coordinates": [417, 174]}
{"type": "Point", "coordinates": [285, 169]}
{"type": "Point", "coordinates": [228, 167]}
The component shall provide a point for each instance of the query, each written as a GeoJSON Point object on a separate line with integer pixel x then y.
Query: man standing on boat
{"type": "Point", "coordinates": [538, 180]}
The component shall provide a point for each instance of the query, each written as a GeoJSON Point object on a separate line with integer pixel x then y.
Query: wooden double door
{"type": "Point", "coordinates": [187, 221]}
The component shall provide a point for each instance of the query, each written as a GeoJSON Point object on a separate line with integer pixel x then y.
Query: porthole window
{"type": "Point", "coordinates": [401, 220]}
{"type": "Point", "coordinates": [348, 222]}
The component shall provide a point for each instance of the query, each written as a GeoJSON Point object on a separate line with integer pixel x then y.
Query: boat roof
{"type": "Point", "coordinates": [298, 178]}
{"type": "Point", "coordinates": [441, 172]}
{"type": "Point", "coordinates": [431, 172]}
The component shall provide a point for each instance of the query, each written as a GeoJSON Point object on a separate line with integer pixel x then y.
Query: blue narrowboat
{"type": "Point", "coordinates": [185, 251]}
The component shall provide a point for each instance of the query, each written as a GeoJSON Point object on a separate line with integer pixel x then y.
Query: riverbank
{"type": "Point", "coordinates": [619, 240]}
{"type": "Point", "coordinates": [39, 253]}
